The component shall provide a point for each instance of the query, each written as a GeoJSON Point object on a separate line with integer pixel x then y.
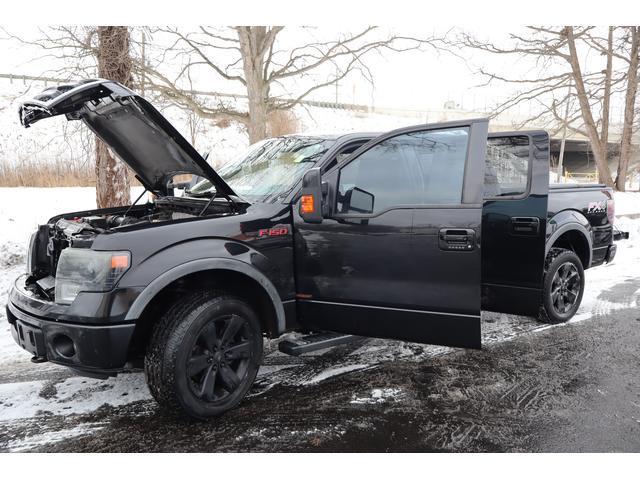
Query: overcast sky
{"type": "Point", "coordinates": [409, 80]}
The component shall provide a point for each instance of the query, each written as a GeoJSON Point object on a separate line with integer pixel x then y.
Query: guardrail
{"type": "Point", "coordinates": [589, 177]}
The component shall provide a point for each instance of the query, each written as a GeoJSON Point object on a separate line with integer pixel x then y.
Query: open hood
{"type": "Point", "coordinates": [132, 127]}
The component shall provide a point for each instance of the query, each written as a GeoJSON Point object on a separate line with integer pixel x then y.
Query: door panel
{"type": "Point", "coordinates": [514, 222]}
{"type": "Point", "coordinates": [386, 272]}
{"type": "Point", "coordinates": [332, 257]}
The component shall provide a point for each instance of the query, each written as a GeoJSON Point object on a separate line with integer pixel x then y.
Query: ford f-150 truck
{"type": "Point", "coordinates": [406, 235]}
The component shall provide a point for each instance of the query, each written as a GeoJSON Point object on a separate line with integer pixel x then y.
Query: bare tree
{"type": "Point", "coordinates": [562, 77]}
{"type": "Point", "coordinates": [114, 63]}
{"type": "Point", "coordinates": [272, 76]}
{"type": "Point", "coordinates": [629, 108]}
{"type": "Point", "coordinates": [598, 139]}
{"type": "Point", "coordinates": [86, 52]}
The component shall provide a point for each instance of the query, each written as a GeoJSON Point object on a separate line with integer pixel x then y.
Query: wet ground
{"type": "Point", "coordinates": [572, 387]}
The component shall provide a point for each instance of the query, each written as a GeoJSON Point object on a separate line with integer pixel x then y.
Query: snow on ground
{"type": "Point", "coordinates": [71, 396]}
{"type": "Point", "coordinates": [627, 203]}
{"type": "Point", "coordinates": [28, 394]}
{"type": "Point", "coordinates": [377, 395]}
{"type": "Point", "coordinates": [53, 436]}
{"type": "Point", "coordinates": [332, 372]}
{"type": "Point", "coordinates": [21, 210]}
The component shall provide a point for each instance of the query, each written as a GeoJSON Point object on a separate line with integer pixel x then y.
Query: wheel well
{"type": "Point", "coordinates": [576, 242]}
{"type": "Point", "coordinates": [234, 283]}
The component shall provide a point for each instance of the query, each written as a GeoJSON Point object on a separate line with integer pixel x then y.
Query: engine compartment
{"type": "Point", "coordinates": [80, 231]}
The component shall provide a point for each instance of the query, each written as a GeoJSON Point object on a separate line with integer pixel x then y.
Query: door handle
{"type": "Point", "coordinates": [524, 225]}
{"type": "Point", "coordinates": [457, 239]}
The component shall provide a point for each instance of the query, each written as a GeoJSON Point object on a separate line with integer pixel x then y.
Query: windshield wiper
{"type": "Point", "coordinates": [206, 193]}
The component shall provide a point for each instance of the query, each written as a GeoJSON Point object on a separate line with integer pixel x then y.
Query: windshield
{"type": "Point", "coordinates": [270, 169]}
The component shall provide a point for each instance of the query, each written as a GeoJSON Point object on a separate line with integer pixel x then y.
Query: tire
{"type": "Point", "coordinates": [204, 354]}
{"type": "Point", "coordinates": [563, 286]}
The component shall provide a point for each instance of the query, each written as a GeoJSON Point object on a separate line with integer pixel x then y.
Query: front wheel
{"type": "Point", "coordinates": [204, 354]}
{"type": "Point", "coordinates": [563, 286]}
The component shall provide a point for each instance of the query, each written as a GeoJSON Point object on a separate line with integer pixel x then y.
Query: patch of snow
{"type": "Point", "coordinates": [378, 395]}
{"type": "Point", "coordinates": [9, 350]}
{"type": "Point", "coordinates": [73, 395]}
{"type": "Point", "coordinates": [332, 372]}
{"type": "Point", "coordinates": [53, 437]}
{"type": "Point", "coordinates": [627, 203]}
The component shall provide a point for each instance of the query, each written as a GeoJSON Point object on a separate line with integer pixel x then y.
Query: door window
{"type": "Point", "coordinates": [416, 168]}
{"type": "Point", "coordinates": [506, 171]}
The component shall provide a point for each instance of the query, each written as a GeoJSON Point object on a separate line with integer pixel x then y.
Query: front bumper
{"type": "Point", "coordinates": [49, 332]}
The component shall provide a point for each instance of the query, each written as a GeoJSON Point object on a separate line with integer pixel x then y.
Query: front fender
{"type": "Point", "coordinates": [149, 293]}
{"type": "Point", "coordinates": [190, 256]}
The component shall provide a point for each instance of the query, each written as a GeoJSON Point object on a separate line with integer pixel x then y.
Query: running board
{"type": "Point", "coordinates": [316, 341]}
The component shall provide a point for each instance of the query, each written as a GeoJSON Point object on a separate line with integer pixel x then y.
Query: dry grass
{"type": "Point", "coordinates": [63, 168]}
{"type": "Point", "coordinates": [50, 174]}
{"type": "Point", "coordinates": [282, 122]}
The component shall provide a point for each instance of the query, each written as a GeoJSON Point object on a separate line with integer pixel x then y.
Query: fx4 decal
{"type": "Point", "coordinates": [597, 207]}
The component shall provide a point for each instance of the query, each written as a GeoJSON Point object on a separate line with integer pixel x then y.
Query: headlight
{"type": "Point", "coordinates": [86, 270]}
{"type": "Point", "coordinates": [30, 256]}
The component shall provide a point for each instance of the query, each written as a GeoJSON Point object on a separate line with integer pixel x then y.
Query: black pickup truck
{"type": "Point", "coordinates": [405, 235]}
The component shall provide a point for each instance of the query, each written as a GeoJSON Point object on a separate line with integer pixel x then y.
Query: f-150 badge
{"type": "Point", "coordinates": [273, 232]}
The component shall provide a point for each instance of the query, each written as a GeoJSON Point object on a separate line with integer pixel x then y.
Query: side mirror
{"type": "Point", "coordinates": [311, 200]}
{"type": "Point", "coordinates": [361, 201]}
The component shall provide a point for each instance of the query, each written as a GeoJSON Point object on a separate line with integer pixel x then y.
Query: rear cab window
{"type": "Point", "coordinates": [506, 172]}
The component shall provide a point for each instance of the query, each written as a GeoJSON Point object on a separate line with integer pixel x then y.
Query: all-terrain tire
{"type": "Point", "coordinates": [561, 261]}
{"type": "Point", "coordinates": [177, 342]}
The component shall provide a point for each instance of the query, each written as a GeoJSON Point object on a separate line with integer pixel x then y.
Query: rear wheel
{"type": "Point", "coordinates": [204, 354]}
{"type": "Point", "coordinates": [563, 286]}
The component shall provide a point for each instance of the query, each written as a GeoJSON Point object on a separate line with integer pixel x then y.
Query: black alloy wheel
{"type": "Point", "coordinates": [219, 358]}
{"type": "Point", "coordinates": [204, 354]}
{"type": "Point", "coordinates": [563, 286]}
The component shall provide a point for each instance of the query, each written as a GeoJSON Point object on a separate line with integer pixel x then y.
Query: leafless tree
{"type": "Point", "coordinates": [629, 107]}
{"type": "Point", "coordinates": [562, 77]}
{"type": "Point", "coordinates": [114, 63]}
{"type": "Point", "coordinates": [89, 52]}
{"type": "Point", "coordinates": [272, 75]}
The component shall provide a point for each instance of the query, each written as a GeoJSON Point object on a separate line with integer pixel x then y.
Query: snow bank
{"type": "Point", "coordinates": [74, 395]}
{"type": "Point", "coordinates": [23, 209]}
{"type": "Point", "coordinates": [627, 203]}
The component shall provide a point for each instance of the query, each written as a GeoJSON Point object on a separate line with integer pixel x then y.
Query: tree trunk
{"type": "Point", "coordinates": [606, 98]}
{"type": "Point", "coordinates": [252, 41]}
{"type": "Point", "coordinates": [114, 63]}
{"type": "Point", "coordinates": [599, 148]}
{"type": "Point", "coordinates": [629, 111]}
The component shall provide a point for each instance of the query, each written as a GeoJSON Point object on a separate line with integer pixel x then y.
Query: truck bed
{"type": "Point", "coordinates": [593, 201]}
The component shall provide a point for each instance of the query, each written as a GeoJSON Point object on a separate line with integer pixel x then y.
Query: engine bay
{"type": "Point", "coordinates": [74, 230]}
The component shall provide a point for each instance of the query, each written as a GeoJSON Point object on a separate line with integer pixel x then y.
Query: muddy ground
{"type": "Point", "coordinates": [567, 388]}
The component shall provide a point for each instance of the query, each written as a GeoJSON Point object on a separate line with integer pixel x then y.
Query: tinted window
{"type": "Point", "coordinates": [415, 168]}
{"type": "Point", "coordinates": [507, 166]}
